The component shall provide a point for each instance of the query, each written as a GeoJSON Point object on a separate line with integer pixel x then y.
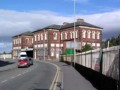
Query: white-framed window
{"type": "Point", "coordinates": [17, 41]}
{"type": "Point", "coordinates": [66, 34]}
{"type": "Point", "coordinates": [38, 37]}
{"type": "Point", "coordinates": [93, 44]}
{"type": "Point", "coordinates": [88, 33]}
{"type": "Point", "coordinates": [98, 35]}
{"type": "Point", "coordinates": [76, 34]}
{"type": "Point", "coordinates": [84, 33]}
{"type": "Point", "coordinates": [52, 51]}
{"type": "Point", "coordinates": [83, 43]}
{"type": "Point", "coordinates": [45, 36]}
{"type": "Point", "coordinates": [13, 41]}
{"type": "Point", "coordinates": [98, 44]}
{"type": "Point", "coordinates": [27, 40]}
{"type": "Point", "coordinates": [41, 36]}
{"type": "Point", "coordinates": [20, 40]}
{"type": "Point", "coordinates": [71, 35]}
{"type": "Point", "coordinates": [61, 35]}
{"type": "Point", "coordinates": [89, 43]}
{"type": "Point", "coordinates": [93, 34]}
{"type": "Point", "coordinates": [32, 40]}
{"type": "Point", "coordinates": [35, 38]}
{"type": "Point", "coordinates": [55, 35]}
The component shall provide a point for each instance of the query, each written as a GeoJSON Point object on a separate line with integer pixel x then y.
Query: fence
{"type": "Point", "coordinates": [105, 61]}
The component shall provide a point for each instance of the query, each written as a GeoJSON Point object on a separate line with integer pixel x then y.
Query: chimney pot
{"type": "Point", "coordinates": [80, 20]}
{"type": "Point", "coordinates": [65, 23]}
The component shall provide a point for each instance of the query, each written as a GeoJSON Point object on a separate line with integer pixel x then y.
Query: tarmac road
{"type": "Point", "coordinates": [36, 77]}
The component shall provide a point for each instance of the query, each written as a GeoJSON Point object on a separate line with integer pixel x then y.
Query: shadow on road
{"type": "Point", "coordinates": [4, 63]}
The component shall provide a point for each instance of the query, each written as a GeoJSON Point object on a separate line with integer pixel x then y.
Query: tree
{"type": "Point", "coordinates": [87, 47]}
{"type": "Point", "coordinates": [4, 52]}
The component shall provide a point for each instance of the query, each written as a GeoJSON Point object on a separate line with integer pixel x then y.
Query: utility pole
{"type": "Point", "coordinates": [119, 71]}
{"type": "Point", "coordinates": [44, 43]}
{"type": "Point", "coordinates": [74, 33]}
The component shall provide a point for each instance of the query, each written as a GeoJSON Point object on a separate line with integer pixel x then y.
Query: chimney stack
{"type": "Point", "coordinates": [80, 20]}
{"type": "Point", "coordinates": [65, 23]}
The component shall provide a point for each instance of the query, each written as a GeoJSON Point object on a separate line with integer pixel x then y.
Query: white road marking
{"type": "Point", "coordinates": [18, 75]}
{"type": "Point", "coordinates": [12, 77]}
{"type": "Point", "coordinates": [3, 81]}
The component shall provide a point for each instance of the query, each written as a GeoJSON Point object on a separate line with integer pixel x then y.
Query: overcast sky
{"type": "Point", "coordinates": [18, 16]}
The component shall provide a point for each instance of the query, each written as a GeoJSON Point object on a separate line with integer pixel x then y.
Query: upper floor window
{"type": "Point", "coordinates": [41, 36]}
{"type": "Point", "coordinates": [17, 41]}
{"type": "Point", "coordinates": [13, 41]}
{"type": "Point", "coordinates": [27, 40]}
{"type": "Point", "coordinates": [38, 37]}
{"type": "Point", "coordinates": [55, 36]}
{"type": "Point", "coordinates": [71, 35]}
{"type": "Point", "coordinates": [61, 36]}
{"type": "Point", "coordinates": [88, 33]}
{"type": "Point", "coordinates": [84, 33]}
{"type": "Point", "coordinates": [66, 35]}
{"type": "Point", "coordinates": [93, 34]}
{"type": "Point", "coordinates": [45, 36]}
{"type": "Point", "coordinates": [32, 40]}
{"type": "Point", "coordinates": [98, 35]}
{"type": "Point", "coordinates": [76, 34]}
{"type": "Point", "coordinates": [35, 38]}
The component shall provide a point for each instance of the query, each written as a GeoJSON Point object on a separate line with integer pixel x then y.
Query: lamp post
{"type": "Point", "coordinates": [74, 33]}
{"type": "Point", "coordinates": [44, 44]}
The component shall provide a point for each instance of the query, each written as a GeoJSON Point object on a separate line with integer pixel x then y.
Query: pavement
{"type": "Point", "coordinates": [7, 64]}
{"type": "Point", "coordinates": [70, 79]}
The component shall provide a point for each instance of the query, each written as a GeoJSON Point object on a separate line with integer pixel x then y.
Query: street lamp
{"type": "Point", "coordinates": [44, 44]}
{"type": "Point", "coordinates": [74, 33]}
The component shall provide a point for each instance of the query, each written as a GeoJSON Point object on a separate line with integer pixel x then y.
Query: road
{"type": "Point", "coordinates": [36, 77]}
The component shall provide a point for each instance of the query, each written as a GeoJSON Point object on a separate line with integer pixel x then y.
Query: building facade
{"type": "Point", "coordinates": [53, 40]}
{"type": "Point", "coordinates": [22, 42]}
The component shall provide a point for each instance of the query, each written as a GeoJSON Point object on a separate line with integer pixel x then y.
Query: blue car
{"type": "Point", "coordinates": [30, 60]}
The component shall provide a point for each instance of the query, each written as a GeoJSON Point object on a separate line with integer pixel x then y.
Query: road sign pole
{"type": "Point", "coordinates": [119, 72]}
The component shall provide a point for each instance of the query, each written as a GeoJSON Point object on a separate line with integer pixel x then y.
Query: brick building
{"type": "Point", "coordinates": [22, 42]}
{"type": "Point", "coordinates": [56, 39]}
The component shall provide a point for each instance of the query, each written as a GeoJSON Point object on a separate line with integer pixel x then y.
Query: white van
{"type": "Point", "coordinates": [23, 55]}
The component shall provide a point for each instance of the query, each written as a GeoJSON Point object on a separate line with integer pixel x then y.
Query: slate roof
{"type": "Point", "coordinates": [54, 26]}
{"type": "Point", "coordinates": [61, 27]}
{"type": "Point", "coordinates": [79, 24]}
{"type": "Point", "coordinates": [28, 33]}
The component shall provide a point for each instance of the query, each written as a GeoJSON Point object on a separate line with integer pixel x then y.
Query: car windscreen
{"type": "Point", "coordinates": [23, 55]}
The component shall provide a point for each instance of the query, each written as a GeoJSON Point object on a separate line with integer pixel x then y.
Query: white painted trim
{"type": "Point", "coordinates": [89, 27]}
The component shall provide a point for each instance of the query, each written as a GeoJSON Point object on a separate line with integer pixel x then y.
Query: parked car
{"type": "Point", "coordinates": [23, 62]}
{"type": "Point", "coordinates": [30, 60]}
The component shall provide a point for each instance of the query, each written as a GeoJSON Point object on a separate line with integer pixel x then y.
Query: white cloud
{"type": "Point", "coordinates": [13, 22]}
{"type": "Point", "coordinates": [109, 20]}
{"type": "Point", "coordinates": [17, 22]}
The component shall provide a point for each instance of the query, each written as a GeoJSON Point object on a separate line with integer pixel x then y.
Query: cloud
{"type": "Point", "coordinates": [13, 22]}
{"type": "Point", "coordinates": [109, 21]}
{"type": "Point", "coordinates": [17, 22]}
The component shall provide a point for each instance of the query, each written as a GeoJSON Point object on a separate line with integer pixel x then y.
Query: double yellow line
{"type": "Point", "coordinates": [55, 80]}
